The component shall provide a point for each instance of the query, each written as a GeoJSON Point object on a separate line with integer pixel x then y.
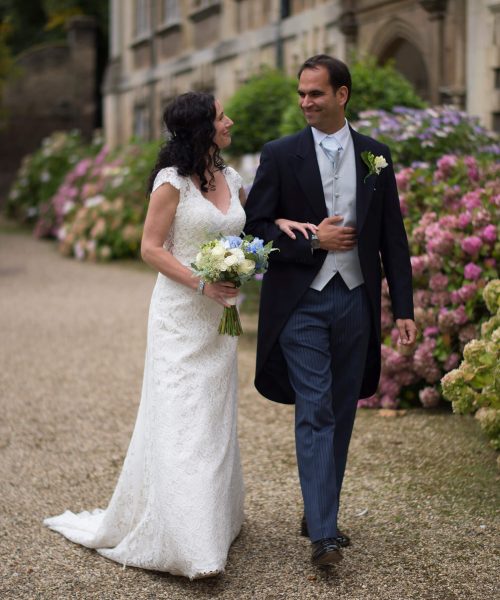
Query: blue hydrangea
{"type": "Point", "coordinates": [232, 241]}
{"type": "Point", "coordinates": [255, 246]}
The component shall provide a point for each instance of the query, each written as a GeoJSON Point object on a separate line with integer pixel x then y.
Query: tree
{"type": "Point", "coordinates": [257, 108]}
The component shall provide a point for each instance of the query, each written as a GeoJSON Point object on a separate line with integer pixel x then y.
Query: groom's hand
{"type": "Point", "coordinates": [332, 236]}
{"type": "Point", "coordinates": [407, 331]}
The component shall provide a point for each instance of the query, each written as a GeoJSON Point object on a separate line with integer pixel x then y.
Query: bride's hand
{"type": "Point", "coordinates": [220, 291]}
{"type": "Point", "coordinates": [288, 227]}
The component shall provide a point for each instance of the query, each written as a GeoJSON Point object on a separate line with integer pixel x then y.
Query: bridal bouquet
{"type": "Point", "coordinates": [234, 259]}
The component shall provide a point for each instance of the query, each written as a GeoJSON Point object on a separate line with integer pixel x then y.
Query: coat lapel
{"type": "Point", "coordinates": [364, 189]}
{"type": "Point", "coordinates": [305, 167]}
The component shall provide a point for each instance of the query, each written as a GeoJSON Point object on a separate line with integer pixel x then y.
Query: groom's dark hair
{"type": "Point", "coordinates": [337, 70]}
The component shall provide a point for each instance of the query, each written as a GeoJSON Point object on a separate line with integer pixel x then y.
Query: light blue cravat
{"type": "Point", "coordinates": [331, 148]}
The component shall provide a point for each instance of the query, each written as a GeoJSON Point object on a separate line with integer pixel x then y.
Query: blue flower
{"type": "Point", "coordinates": [255, 246]}
{"type": "Point", "coordinates": [232, 241]}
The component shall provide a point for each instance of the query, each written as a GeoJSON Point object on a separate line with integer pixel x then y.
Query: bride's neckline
{"type": "Point", "coordinates": [229, 199]}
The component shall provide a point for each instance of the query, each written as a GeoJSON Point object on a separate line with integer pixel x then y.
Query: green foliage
{"type": "Point", "coordinates": [257, 109]}
{"type": "Point", "coordinates": [34, 22]}
{"type": "Point", "coordinates": [475, 386]}
{"type": "Point", "coordinates": [381, 87]}
{"type": "Point", "coordinates": [292, 120]}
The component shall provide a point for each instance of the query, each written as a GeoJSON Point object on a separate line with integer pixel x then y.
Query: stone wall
{"type": "Point", "coordinates": [54, 89]}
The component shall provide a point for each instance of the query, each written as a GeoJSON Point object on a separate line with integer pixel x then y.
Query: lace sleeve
{"type": "Point", "coordinates": [234, 177]}
{"type": "Point", "coordinates": [168, 175]}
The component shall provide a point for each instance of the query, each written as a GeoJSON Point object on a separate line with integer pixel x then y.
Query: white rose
{"type": "Point", "coordinates": [246, 266]}
{"type": "Point", "coordinates": [218, 251]}
{"type": "Point", "coordinates": [239, 254]}
{"type": "Point", "coordinates": [231, 260]}
{"type": "Point", "coordinates": [380, 163]}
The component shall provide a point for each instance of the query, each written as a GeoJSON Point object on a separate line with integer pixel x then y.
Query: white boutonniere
{"type": "Point", "coordinates": [374, 163]}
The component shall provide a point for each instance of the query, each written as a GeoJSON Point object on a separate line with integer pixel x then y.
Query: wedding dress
{"type": "Point", "coordinates": [178, 503]}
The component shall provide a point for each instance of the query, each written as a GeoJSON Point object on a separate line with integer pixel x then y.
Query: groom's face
{"type": "Point", "coordinates": [323, 107]}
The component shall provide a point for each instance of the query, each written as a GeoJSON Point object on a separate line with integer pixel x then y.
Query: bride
{"type": "Point", "coordinates": [178, 503]}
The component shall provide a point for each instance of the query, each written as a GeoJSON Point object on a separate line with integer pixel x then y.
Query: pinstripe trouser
{"type": "Point", "coordinates": [325, 343]}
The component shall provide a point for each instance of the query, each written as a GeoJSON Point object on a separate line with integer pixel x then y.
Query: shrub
{"type": "Point", "coordinates": [426, 135]}
{"type": "Point", "coordinates": [475, 386]}
{"type": "Point", "coordinates": [42, 172]}
{"type": "Point", "coordinates": [98, 212]}
{"type": "Point", "coordinates": [451, 215]}
{"type": "Point", "coordinates": [257, 108]}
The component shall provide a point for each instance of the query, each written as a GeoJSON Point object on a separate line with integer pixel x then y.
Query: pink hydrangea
{"type": "Point", "coordinates": [452, 361]}
{"type": "Point", "coordinates": [460, 315]}
{"type": "Point", "coordinates": [431, 331]}
{"type": "Point", "coordinates": [419, 264]}
{"type": "Point", "coordinates": [79, 171]}
{"type": "Point", "coordinates": [489, 233]}
{"type": "Point", "coordinates": [481, 218]}
{"type": "Point", "coordinates": [440, 298]}
{"type": "Point", "coordinates": [389, 387]}
{"type": "Point", "coordinates": [464, 219]}
{"type": "Point", "coordinates": [449, 221]}
{"type": "Point", "coordinates": [429, 397]}
{"type": "Point", "coordinates": [439, 241]}
{"type": "Point", "coordinates": [424, 363]}
{"type": "Point", "coordinates": [438, 282]}
{"type": "Point", "coordinates": [445, 166]}
{"type": "Point", "coordinates": [435, 262]}
{"type": "Point", "coordinates": [403, 179]}
{"type": "Point", "coordinates": [472, 168]}
{"type": "Point", "coordinates": [464, 293]}
{"type": "Point", "coordinates": [446, 320]}
{"type": "Point", "coordinates": [472, 200]}
{"type": "Point", "coordinates": [472, 271]}
{"type": "Point", "coordinates": [472, 244]}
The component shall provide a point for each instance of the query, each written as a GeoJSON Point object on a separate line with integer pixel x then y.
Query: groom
{"type": "Point", "coordinates": [319, 326]}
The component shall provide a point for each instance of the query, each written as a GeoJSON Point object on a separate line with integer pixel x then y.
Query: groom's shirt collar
{"type": "Point", "coordinates": [341, 136]}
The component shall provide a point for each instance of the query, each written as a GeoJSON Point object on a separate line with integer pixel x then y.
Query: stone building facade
{"type": "Point", "coordinates": [449, 49]}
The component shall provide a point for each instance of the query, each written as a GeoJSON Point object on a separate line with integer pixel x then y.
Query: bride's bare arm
{"type": "Point", "coordinates": [159, 219]}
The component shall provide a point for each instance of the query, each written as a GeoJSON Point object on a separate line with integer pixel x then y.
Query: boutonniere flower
{"type": "Point", "coordinates": [374, 163]}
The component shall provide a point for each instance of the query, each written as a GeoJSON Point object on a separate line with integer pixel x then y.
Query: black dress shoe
{"type": "Point", "coordinates": [326, 552]}
{"type": "Point", "coordinates": [342, 539]}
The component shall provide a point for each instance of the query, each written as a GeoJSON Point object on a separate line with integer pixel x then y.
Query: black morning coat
{"type": "Point", "coordinates": [288, 185]}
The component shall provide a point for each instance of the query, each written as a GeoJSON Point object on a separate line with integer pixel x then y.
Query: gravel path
{"type": "Point", "coordinates": [420, 493]}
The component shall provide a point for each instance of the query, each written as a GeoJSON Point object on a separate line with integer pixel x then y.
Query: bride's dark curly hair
{"type": "Point", "coordinates": [189, 120]}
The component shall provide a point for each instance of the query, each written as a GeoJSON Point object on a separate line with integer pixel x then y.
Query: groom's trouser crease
{"type": "Point", "coordinates": [325, 344]}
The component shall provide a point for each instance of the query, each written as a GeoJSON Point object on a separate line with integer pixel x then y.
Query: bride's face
{"type": "Point", "coordinates": [222, 126]}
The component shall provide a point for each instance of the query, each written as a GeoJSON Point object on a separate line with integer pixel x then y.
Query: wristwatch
{"type": "Point", "coordinates": [315, 243]}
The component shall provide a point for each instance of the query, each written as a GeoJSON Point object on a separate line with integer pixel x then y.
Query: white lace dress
{"type": "Point", "coordinates": [178, 503]}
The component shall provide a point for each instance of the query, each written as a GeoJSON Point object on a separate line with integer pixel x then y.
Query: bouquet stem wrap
{"type": "Point", "coordinates": [230, 323]}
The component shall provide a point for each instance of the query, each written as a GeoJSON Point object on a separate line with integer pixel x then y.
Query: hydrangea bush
{"type": "Point", "coordinates": [475, 386]}
{"type": "Point", "coordinates": [415, 135]}
{"type": "Point", "coordinates": [99, 210]}
{"type": "Point", "coordinates": [42, 172]}
{"type": "Point", "coordinates": [451, 214]}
